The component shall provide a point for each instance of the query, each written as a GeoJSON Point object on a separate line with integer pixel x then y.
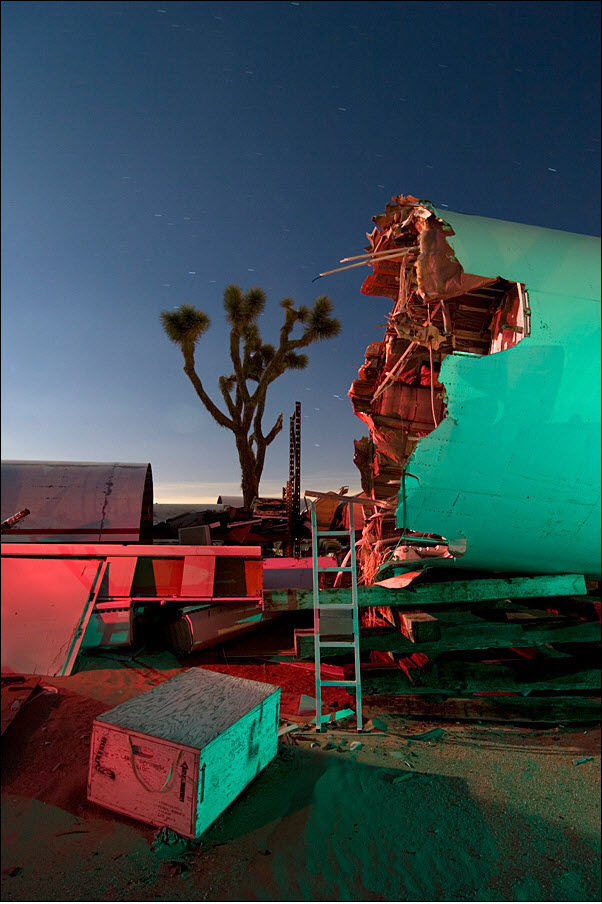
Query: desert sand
{"type": "Point", "coordinates": [484, 812]}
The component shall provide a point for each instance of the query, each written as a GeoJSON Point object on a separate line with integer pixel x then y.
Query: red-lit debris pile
{"type": "Point", "coordinates": [266, 522]}
{"type": "Point", "coordinates": [438, 310]}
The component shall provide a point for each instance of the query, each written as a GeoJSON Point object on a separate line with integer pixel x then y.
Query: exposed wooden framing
{"type": "Point", "coordinates": [388, 376]}
{"type": "Point", "coordinates": [385, 256]}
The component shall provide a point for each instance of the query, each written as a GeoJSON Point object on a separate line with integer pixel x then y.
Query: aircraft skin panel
{"type": "Point", "coordinates": [514, 467]}
{"type": "Point", "coordinates": [547, 260]}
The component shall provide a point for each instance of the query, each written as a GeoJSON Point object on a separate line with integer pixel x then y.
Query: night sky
{"type": "Point", "coordinates": [155, 152]}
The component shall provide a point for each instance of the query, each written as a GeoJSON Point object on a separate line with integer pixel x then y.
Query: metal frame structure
{"type": "Point", "coordinates": [293, 488]}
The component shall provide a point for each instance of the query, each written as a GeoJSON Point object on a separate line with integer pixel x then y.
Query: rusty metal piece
{"type": "Point", "coordinates": [14, 519]}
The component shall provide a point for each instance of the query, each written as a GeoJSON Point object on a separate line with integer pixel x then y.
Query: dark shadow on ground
{"type": "Point", "coordinates": [349, 831]}
{"type": "Point", "coordinates": [323, 827]}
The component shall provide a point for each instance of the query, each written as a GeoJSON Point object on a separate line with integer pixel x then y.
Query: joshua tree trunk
{"type": "Point", "coordinates": [250, 473]}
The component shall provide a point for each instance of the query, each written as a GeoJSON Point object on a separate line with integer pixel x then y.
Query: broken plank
{"type": "Point", "coordinates": [471, 636]}
{"type": "Point", "coordinates": [549, 710]}
{"type": "Point", "coordinates": [419, 627]}
{"type": "Point", "coordinates": [478, 678]}
{"type": "Point", "coordinates": [430, 594]}
{"type": "Point", "coordinates": [533, 615]}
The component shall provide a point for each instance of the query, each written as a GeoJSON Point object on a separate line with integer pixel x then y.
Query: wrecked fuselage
{"type": "Point", "coordinates": [482, 400]}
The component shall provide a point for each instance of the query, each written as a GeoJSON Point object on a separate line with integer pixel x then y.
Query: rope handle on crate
{"type": "Point", "coordinates": [170, 775]}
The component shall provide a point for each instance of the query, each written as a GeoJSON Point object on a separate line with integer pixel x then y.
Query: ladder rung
{"type": "Point", "coordinates": [332, 533]}
{"type": "Point", "coordinates": [326, 606]}
{"type": "Point", "coordinates": [336, 568]}
{"type": "Point", "coordinates": [336, 643]}
{"type": "Point", "coordinates": [338, 683]}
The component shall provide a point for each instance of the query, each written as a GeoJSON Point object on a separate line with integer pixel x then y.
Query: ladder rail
{"type": "Point", "coordinates": [356, 627]}
{"type": "Point", "coordinates": [316, 588]}
{"type": "Point", "coordinates": [352, 608]}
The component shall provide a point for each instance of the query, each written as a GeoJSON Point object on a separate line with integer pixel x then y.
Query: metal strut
{"type": "Point", "coordinates": [293, 487]}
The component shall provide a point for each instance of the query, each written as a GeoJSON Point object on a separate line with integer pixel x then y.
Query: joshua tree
{"type": "Point", "coordinates": [253, 361]}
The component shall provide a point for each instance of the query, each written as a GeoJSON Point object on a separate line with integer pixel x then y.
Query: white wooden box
{"type": "Point", "coordinates": [178, 755]}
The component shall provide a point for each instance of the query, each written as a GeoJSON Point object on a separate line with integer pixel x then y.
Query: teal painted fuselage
{"type": "Point", "coordinates": [514, 467]}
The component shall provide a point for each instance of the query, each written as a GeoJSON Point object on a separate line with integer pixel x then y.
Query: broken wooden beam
{"type": "Point", "coordinates": [419, 627]}
{"type": "Point", "coordinates": [549, 710]}
{"type": "Point", "coordinates": [473, 592]}
{"type": "Point", "coordinates": [470, 677]}
{"type": "Point", "coordinates": [472, 635]}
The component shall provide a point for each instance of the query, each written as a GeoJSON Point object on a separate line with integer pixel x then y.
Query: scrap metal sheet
{"type": "Point", "coordinates": [45, 607]}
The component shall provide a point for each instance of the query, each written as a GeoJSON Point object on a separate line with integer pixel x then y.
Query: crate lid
{"type": "Point", "coordinates": [193, 708]}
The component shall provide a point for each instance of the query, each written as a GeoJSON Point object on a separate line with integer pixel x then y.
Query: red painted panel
{"type": "Point", "coordinates": [118, 577]}
{"type": "Point", "coordinates": [168, 576]}
{"type": "Point", "coordinates": [43, 604]}
{"type": "Point", "coordinates": [197, 576]}
{"type": "Point", "coordinates": [254, 578]}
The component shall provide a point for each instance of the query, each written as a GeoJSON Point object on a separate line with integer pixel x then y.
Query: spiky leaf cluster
{"type": "Point", "coordinates": [321, 324]}
{"type": "Point", "coordinates": [185, 325]}
{"type": "Point", "coordinates": [243, 310]}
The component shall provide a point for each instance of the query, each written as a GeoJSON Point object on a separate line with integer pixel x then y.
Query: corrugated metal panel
{"type": "Point", "coordinates": [78, 502]}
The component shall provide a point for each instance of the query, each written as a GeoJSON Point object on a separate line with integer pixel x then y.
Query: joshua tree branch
{"type": "Point", "coordinates": [209, 404]}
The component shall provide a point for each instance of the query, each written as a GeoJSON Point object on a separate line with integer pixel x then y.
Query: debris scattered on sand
{"type": "Point", "coordinates": [327, 718]}
{"type": "Point", "coordinates": [12, 871]}
{"type": "Point", "coordinates": [72, 832]}
{"type": "Point", "coordinates": [166, 836]}
{"type": "Point", "coordinates": [285, 729]}
{"type": "Point", "coordinates": [307, 705]}
{"type": "Point", "coordinates": [172, 868]}
{"type": "Point", "coordinates": [167, 845]}
{"type": "Point", "coordinates": [375, 724]}
{"type": "Point", "coordinates": [435, 734]}
{"type": "Point", "coordinates": [403, 777]}
{"type": "Point", "coordinates": [583, 759]}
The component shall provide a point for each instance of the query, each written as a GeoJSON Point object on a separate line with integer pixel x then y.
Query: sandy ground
{"type": "Point", "coordinates": [483, 813]}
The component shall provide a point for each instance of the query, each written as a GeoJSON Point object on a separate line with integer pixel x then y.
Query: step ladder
{"type": "Point", "coordinates": [350, 607]}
